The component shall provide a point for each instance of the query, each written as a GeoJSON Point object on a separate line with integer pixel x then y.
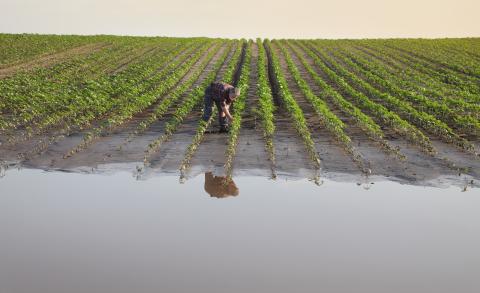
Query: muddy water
{"type": "Point", "coordinates": [70, 232]}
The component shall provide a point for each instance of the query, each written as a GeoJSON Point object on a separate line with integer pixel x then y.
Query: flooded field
{"type": "Point", "coordinates": [76, 233]}
{"type": "Point", "coordinates": [349, 165]}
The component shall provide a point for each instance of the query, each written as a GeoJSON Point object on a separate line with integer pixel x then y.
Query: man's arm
{"type": "Point", "coordinates": [226, 111]}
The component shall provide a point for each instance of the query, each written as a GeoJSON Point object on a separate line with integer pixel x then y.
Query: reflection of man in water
{"type": "Point", "coordinates": [219, 187]}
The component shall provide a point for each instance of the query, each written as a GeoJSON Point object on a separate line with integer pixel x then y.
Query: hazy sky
{"type": "Point", "coordinates": [245, 18]}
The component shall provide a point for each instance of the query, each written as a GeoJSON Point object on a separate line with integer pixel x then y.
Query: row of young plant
{"type": "Point", "coordinates": [467, 124]}
{"type": "Point", "coordinates": [266, 106]}
{"type": "Point", "coordinates": [190, 102]}
{"type": "Point", "coordinates": [45, 142]}
{"type": "Point", "coordinates": [31, 97]}
{"type": "Point", "coordinates": [111, 92]}
{"type": "Point", "coordinates": [468, 46]}
{"type": "Point", "coordinates": [435, 55]}
{"type": "Point", "coordinates": [242, 84]}
{"type": "Point", "coordinates": [48, 61]}
{"type": "Point", "coordinates": [140, 97]}
{"type": "Point", "coordinates": [104, 62]}
{"type": "Point", "coordinates": [63, 72]}
{"type": "Point", "coordinates": [179, 66]}
{"type": "Point", "coordinates": [165, 104]}
{"type": "Point", "coordinates": [460, 55]}
{"type": "Point", "coordinates": [31, 100]}
{"type": "Point", "coordinates": [18, 48]}
{"type": "Point", "coordinates": [293, 110]}
{"type": "Point", "coordinates": [411, 81]}
{"type": "Point", "coordinates": [18, 94]}
{"type": "Point", "coordinates": [447, 79]}
{"type": "Point", "coordinates": [388, 117]}
{"type": "Point", "coordinates": [443, 66]}
{"type": "Point", "coordinates": [136, 57]}
{"type": "Point", "coordinates": [203, 125]}
{"type": "Point", "coordinates": [466, 51]}
{"type": "Point", "coordinates": [332, 123]}
{"type": "Point", "coordinates": [89, 104]}
{"type": "Point", "coordinates": [404, 109]}
{"type": "Point", "coordinates": [365, 122]}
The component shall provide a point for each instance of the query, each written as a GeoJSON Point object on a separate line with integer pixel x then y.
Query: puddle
{"type": "Point", "coordinates": [70, 232]}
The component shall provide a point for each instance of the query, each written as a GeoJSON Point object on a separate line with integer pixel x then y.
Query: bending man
{"type": "Point", "coordinates": [223, 95]}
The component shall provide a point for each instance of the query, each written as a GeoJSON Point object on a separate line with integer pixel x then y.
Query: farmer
{"type": "Point", "coordinates": [219, 186]}
{"type": "Point", "coordinates": [223, 95]}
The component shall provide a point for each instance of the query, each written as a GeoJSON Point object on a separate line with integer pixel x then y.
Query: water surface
{"type": "Point", "coordinates": [76, 233]}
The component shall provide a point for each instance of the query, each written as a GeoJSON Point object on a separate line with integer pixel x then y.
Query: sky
{"type": "Point", "coordinates": [246, 18]}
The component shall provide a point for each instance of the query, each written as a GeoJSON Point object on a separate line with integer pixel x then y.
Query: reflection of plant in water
{"type": "Point", "coordinates": [468, 184]}
{"type": "Point", "coordinates": [220, 186]}
{"type": "Point", "coordinates": [366, 184]}
{"type": "Point", "coordinates": [3, 169]}
{"type": "Point", "coordinates": [139, 172]}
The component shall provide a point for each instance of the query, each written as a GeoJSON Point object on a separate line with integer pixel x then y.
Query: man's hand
{"type": "Point", "coordinates": [227, 112]}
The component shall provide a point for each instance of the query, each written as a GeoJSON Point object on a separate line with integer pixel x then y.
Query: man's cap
{"type": "Point", "coordinates": [235, 90]}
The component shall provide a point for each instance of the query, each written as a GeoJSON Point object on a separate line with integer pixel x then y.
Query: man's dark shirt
{"type": "Point", "coordinates": [220, 92]}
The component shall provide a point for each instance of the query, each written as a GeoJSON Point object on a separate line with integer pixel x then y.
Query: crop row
{"type": "Point", "coordinates": [332, 123]}
{"type": "Point", "coordinates": [266, 107]}
{"type": "Point", "coordinates": [412, 82]}
{"type": "Point", "coordinates": [164, 105]}
{"type": "Point", "coordinates": [404, 109]}
{"type": "Point", "coordinates": [112, 92]}
{"type": "Point", "coordinates": [422, 90]}
{"type": "Point", "coordinates": [87, 112]}
{"type": "Point", "coordinates": [291, 106]}
{"type": "Point", "coordinates": [439, 57]}
{"type": "Point", "coordinates": [203, 126]}
{"type": "Point", "coordinates": [448, 80]}
{"type": "Point", "coordinates": [440, 67]}
{"type": "Point", "coordinates": [389, 118]}
{"type": "Point", "coordinates": [140, 97]}
{"type": "Point", "coordinates": [440, 110]}
{"type": "Point", "coordinates": [92, 101]}
{"type": "Point", "coordinates": [242, 84]}
{"type": "Point", "coordinates": [189, 104]}
{"type": "Point", "coordinates": [32, 96]}
{"type": "Point", "coordinates": [365, 122]}
{"type": "Point", "coordinates": [17, 48]}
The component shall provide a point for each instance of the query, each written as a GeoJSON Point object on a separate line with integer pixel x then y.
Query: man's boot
{"type": "Point", "coordinates": [224, 129]}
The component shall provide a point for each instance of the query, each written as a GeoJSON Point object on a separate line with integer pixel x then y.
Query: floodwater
{"type": "Point", "coordinates": [77, 233]}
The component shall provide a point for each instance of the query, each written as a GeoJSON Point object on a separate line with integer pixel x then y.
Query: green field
{"type": "Point", "coordinates": [424, 92]}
